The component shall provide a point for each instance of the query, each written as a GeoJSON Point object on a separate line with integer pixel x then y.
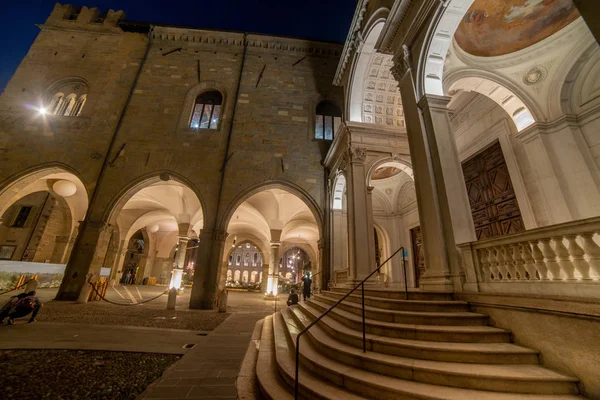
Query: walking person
{"type": "Point", "coordinates": [127, 277]}
{"type": "Point", "coordinates": [21, 306]}
{"type": "Point", "coordinates": [307, 285]}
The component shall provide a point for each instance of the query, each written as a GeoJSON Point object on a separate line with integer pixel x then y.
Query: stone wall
{"type": "Point", "coordinates": [271, 137]}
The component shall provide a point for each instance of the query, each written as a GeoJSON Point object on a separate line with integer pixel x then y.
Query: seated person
{"type": "Point", "coordinates": [20, 306]}
{"type": "Point", "coordinates": [292, 298]}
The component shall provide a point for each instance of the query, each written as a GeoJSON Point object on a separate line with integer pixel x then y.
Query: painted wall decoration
{"type": "Point", "coordinates": [499, 27]}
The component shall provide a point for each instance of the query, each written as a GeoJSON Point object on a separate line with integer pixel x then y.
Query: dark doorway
{"type": "Point", "coordinates": [491, 195]}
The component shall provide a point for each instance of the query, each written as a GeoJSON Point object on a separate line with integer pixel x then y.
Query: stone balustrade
{"type": "Point", "coordinates": [559, 260]}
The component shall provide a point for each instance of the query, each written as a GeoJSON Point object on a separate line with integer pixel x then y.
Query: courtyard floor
{"type": "Point", "coordinates": [212, 344]}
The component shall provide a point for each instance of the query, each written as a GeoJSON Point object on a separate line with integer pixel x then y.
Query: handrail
{"type": "Point", "coordinates": [320, 317]}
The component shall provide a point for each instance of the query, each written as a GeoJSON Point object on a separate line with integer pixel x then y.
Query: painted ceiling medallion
{"type": "Point", "coordinates": [385, 172]}
{"type": "Point", "coordinates": [498, 27]}
{"type": "Point", "coordinates": [535, 75]}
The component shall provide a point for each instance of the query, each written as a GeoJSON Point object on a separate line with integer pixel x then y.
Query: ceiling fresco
{"type": "Point", "coordinates": [499, 27]}
{"type": "Point", "coordinates": [385, 172]}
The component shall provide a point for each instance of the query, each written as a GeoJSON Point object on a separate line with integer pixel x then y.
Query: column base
{"type": "Point", "coordinates": [441, 283]}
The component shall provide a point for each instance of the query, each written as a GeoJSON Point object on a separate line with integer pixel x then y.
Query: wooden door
{"type": "Point", "coordinates": [491, 195]}
{"type": "Point", "coordinates": [418, 254]}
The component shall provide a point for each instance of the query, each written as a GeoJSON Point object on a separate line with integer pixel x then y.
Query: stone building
{"type": "Point", "coordinates": [169, 131]}
{"type": "Point", "coordinates": [456, 144]}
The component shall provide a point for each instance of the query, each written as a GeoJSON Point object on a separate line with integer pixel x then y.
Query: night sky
{"type": "Point", "coordinates": [327, 20]}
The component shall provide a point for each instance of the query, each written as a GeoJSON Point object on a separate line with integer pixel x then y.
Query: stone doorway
{"type": "Point", "coordinates": [418, 254]}
{"type": "Point", "coordinates": [491, 195]}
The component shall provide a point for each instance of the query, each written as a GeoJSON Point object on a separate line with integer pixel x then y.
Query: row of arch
{"type": "Point", "coordinates": [37, 179]}
{"type": "Point", "coordinates": [476, 75]}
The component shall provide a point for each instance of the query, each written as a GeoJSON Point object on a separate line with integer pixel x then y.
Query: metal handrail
{"type": "Point", "coordinates": [320, 317]}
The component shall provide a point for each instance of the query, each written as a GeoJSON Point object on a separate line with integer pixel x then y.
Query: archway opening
{"type": "Point", "coordinates": [395, 215]}
{"type": "Point", "coordinates": [39, 217]}
{"type": "Point", "coordinates": [248, 259]}
{"type": "Point", "coordinates": [278, 219]}
{"type": "Point", "coordinates": [168, 215]}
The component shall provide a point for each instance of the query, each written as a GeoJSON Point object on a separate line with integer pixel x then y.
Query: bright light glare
{"type": "Point", "coordinates": [42, 111]}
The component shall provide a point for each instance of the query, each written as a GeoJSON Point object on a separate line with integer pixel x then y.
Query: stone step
{"type": "Point", "coordinates": [311, 386]}
{"type": "Point", "coordinates": [490, 377]}
{"type": "Point", "coordinates": [272, 387]}
{"type": "Point", "coordinates": [376, 386]}
{"type": "Point", "coordinates": [404, 305]}
{"type": "Point", "coordinates": [409, 317]}
{"type": "Point", "coordinates": [469, 334]}
{"type": "Point", "coordinates": [399, 295]}
{"type": "Point", "coordinates": [490, 353]}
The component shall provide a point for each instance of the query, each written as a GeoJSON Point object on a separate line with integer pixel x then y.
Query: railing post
{"type": "Point", "coordinates": [405, 277]}
{"type": "Point", "coordinates": [363, 318]}
{"type": "Point", "coordinates": [296, 386]}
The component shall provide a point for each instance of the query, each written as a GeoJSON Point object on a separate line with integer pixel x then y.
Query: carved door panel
{"type": "Point", "coordinates": [491, 195]}
{"type": "Point", "coordinates": [418, 253]}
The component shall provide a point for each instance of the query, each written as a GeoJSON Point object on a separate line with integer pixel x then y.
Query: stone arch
{"type": "Point", "coordinates": [406, 198]}
{"type": "Point", "coordinates": [119, 200]}
{"type": "Point", "coordinates": [581, 84]}
{"type": "Point", "coordinates": [359, 71]}
{"type": "Point", "coordinates": [401, 161]}
{"type": "Point", "coordinates": [190, 99]}
{"type": "Point", "coordinates": [312, 256]}
{"type": "Point", "coordinates": [41, 178]}
{"type": "Point", "coordinates": [339, 187]}
{"type": "Point", "coordinates": [521, 109]}
{"type": "Point", "coordinates": [273, 184]}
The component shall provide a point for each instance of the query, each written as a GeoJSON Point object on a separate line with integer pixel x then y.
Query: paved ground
{"type": "Point", "coordinates": [208, 370]}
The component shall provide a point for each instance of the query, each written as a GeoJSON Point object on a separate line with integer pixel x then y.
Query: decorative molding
{"type": "Point", "coordinates": [237, 39]}
{"type": "Point", "coordinates": [351, 42]}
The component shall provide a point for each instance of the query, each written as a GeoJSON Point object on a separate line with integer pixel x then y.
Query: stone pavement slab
{"type": "Point", "coordinates": [209, 370]}
{"type": "Point", "coordinates": [49, 335]}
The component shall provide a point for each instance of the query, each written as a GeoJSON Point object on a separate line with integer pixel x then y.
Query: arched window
{"type": "Point", "coordinates": [67, 98]}
{"type": "Point", "coordinates": [207, 110]}
{"type": "Point", "coordinates": [328, 120]}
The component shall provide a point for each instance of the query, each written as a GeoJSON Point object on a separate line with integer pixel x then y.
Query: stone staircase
{"type": "Point", "coordinates": [428, 346]}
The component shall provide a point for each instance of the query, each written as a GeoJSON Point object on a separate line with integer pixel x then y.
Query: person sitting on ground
{"type": "Point", "coordinates": [22, 307]}
{"type": "Point", "coordinates": [292, 298]}
{"type": "Point", "coordinates": [9, 305]}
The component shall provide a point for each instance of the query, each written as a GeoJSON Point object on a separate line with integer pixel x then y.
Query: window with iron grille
{"type": "Point", "coordinates": [327, 121]}
{"type": "Point", "coordinates": [207, 111]}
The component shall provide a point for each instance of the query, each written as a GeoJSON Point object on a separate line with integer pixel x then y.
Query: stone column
{"type": "Point", "coordinates": [90, 248]}
{"type": "Point", "coordinates": [264, 278]}
{"type": "Point", "coordinates": [371, 229]}
{"type": "Point", "coordinates": [358, 226]}
{"type": "Point", "coordinates": [206, 269]}
{"type": "Point", "coordinates": [273, 281]}
{"type": "Point", "coordinates": [590, 11]}
{"type": "Point", "coordinates": [60, 246]}
{"type": "Point", "coordinates": [177, 273]}
{"type": "Point", "coordinates": [447, 166]}
{"type": "Point", "coordinates": [441, 255]}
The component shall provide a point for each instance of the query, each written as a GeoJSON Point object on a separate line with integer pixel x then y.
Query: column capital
{"type": "Point", "coordinates": [218, 236]}
{"type": "Point", "coordinates": [434, 102]}
{"type": "Point", "coordinates": [356, 155]}
{"type": "Point", "coordinates": [402, 64]}
{"type": "Point", "coordinates": [275, 244]}
{"type": "Point", "coordinates": [370, 189]}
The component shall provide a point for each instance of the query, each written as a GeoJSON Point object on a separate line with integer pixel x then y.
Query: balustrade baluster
{"type": "Point", "coordinates": [550, 259]}
{"type": "Point", "coordinates": [501, 257]}
{"type": "Point", "coordinates": [528, 259]}
{"type": "Point", "coordinates": [577, 253]}
{"type": "Point", "coordinates": [493, 263]}
{"type": "Point", "coordinates": [563, 258]}
{"type": "Point", "coordinates": [485, 270]}
{"type": "Point", "coordinates": [538, 257]}
{"type": "Point", "coordinates": [592, 250]}
{"type": "Point", "coordinates": [518, 259]}
{"type": "Point", "coordinates": [510, 263]}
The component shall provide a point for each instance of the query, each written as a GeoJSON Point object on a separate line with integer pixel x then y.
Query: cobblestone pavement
{"type": "Point", "coordinates": [74, 375]}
